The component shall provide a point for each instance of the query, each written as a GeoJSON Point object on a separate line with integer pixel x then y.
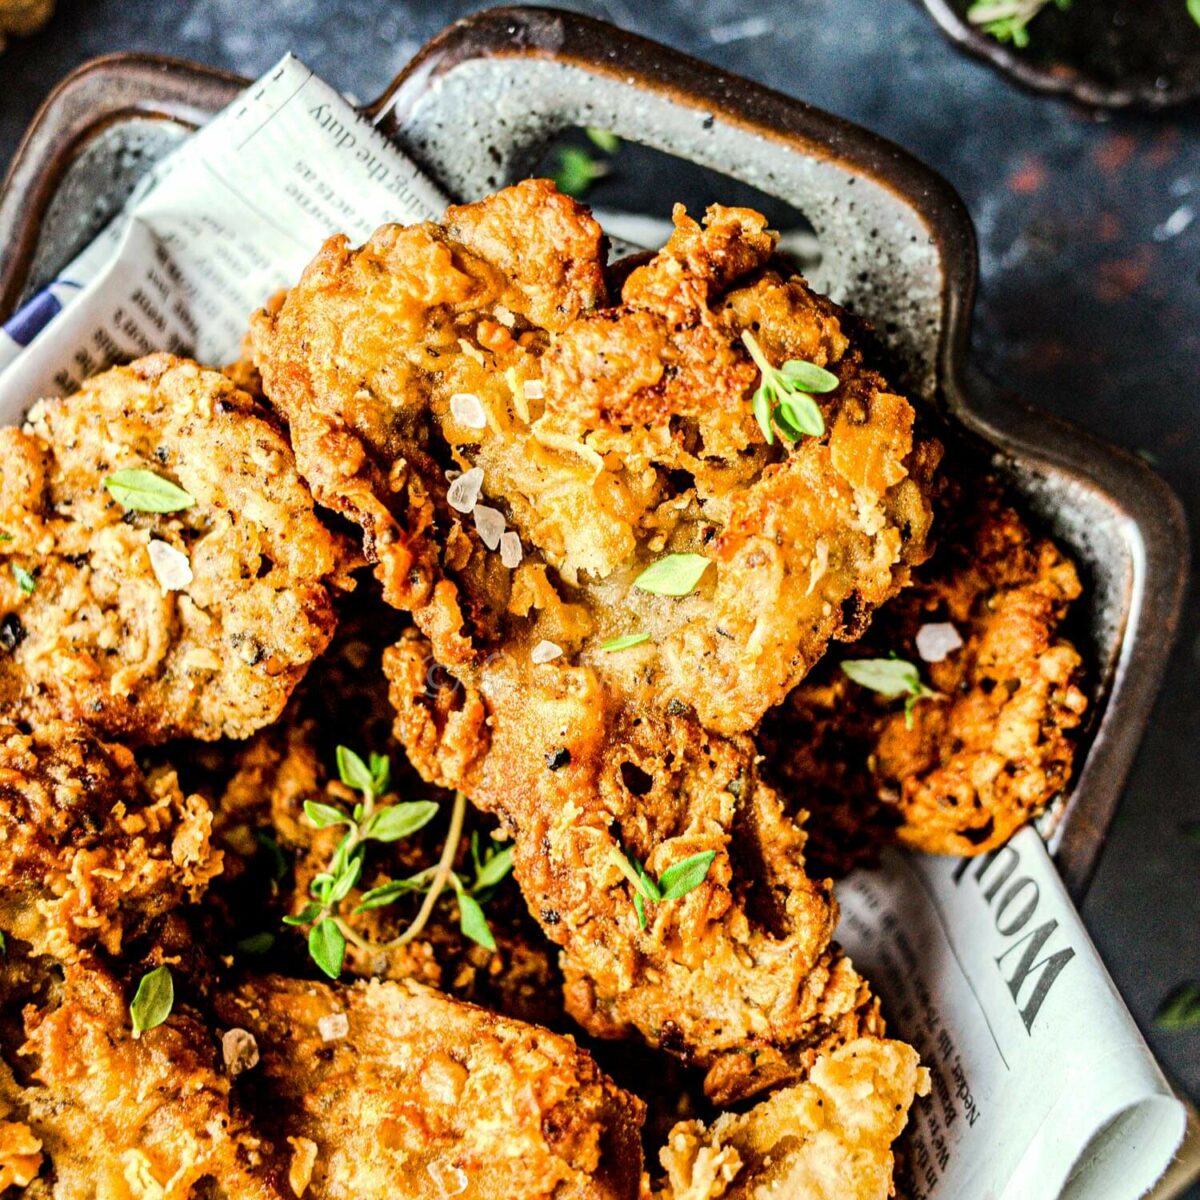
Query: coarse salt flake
{"type": "Point", "coordinates": [171, 567]}
{"type": "Point", "coordinates": [545, 652]}
{"type": "Point", "coordinates": [463, 493]}
{"type": "Point", "coordinates": [505, 317]}
{"type": "Point", "coordinates": [333, 1026]}
{"type": "Point", "coordinates": [467, 410]}
{"type": "Point", "coordinates": [450, 1179]}
{"type": "Point", "coordinates": [490, 523]}
{"type": "Point", "coordinates": [935, 642]}
{"type": "Point", "coordinates": [511, 551]}
{"type": "Point", "coordinates": [533, 389]}
{"type": "Point", "coordinates": [239, 1050]}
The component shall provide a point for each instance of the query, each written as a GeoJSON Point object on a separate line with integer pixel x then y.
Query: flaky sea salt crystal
{"type": "Point", "coordinates": [333, 1026]}
{"type": "Point", "coordinates": [935, 642]}
{"type": "Point", "coordinates": [463, 493]}
{"type": "Point", "coordinates": [171, 567]}
{"type": "Point", "coordinates": [490, 523]}
{"type": "Point", "coordinates": [450, 1180]}
{"type": "Point", "coordinates": [533, 389]}
{"type": "Point", "coordinates": [545, 652]}
{"type": "Point", "coordinates": [467, 410]}
{"type": "Point", "coordinates": [511, 552]}
{"type": "Point", "coordinates": [239, 1050]}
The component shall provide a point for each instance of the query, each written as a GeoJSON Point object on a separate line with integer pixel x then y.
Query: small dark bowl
{"type": "Point", "coordinates": [477, 109]}
{"type": "Point", "coordinates": [1105, 53]}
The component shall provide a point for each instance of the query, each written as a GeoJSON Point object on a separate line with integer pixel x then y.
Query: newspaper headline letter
{"type": "Point", "coordinates": [1042, 1085]}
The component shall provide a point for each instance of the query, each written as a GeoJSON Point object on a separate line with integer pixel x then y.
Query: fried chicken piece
{"type": "Point", "coordinates": [612, 436]}
{"type": "Point", "coordinates": [996, 746]}
{"type": "Point", "coordinates": [828, 1138]}
{"type": "Point", "coordinates": [91, 850]}
{"type": "Point", "coordinates": [607, 437]}
{"type": "Point", "coordinates": [196, 622]}
{"type": "Point", "coordinates": [146, 1118]}
{"type": "Point", "coordinates": [390, 1089]}
{"type": "Point", "coordinates": [738, 976]}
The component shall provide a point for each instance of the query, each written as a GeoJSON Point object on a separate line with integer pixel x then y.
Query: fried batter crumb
{"type": "Point", "coordinates": [997, 744]}
{"type": "Point", "coordinates": [90, 630]}
{"type": "Point", "coordinates": [144, 1118]}
{"type": "Point", "coordinates": [428, 1096]}
{"type": "Point", "coordinates": [828, 1138]}
{"type": "Point", "coordinates": [91, 850]}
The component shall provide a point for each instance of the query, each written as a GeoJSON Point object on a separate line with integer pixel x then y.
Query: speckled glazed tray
{"type": "Point", "coordinates": [477, 108]}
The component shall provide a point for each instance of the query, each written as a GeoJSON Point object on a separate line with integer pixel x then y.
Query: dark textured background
{"type": "Point", "coordinates": [1090, 298]}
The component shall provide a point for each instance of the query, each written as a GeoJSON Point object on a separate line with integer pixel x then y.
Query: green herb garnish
{"type": "Point", "coordinates": [25, 581]}
{"type": "Point", "coordinates": [891, 677]}
{"type": "Point", "coordinates": [604, 139]}
{"type": "Point", "coordinates": [784, 396]}
{"type": "Point", "coordinates": [1008, 20]}
{"type": "Point", "coordinates": [329, 930]}
{"type": "Point", "coordinates": [144, 491]}
{"type": "Point", "coordinates": [1181, 1009]}
{"type": "Point", "coordinates": [1193, 7]}
{"type": "Point", "coordinates": [677, 880]}
{"type": "Point", "coordinates": [3, 946]}
{"type": "Point", "coordinates": [153, 1000]}
{"type": "Point", "coordinates": [675, 575]}
{"type": "Point", "coordinates": [575, 171]}
{"type": "Point", "coordinates": [628, 641]}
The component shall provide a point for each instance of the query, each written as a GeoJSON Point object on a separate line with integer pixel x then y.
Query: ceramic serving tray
{"type": "Point", "coordinates": [477, 109]}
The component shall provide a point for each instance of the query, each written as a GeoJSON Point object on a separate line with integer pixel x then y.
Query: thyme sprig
{"type": "Point", "coordinates": [329, 930]}
{"type": "Point", "coordinates": [1008, 20]}
{"type": "Point", "coordinates": [891, 677]}
{"type": "Point", "coordinates": [676, 881]}
{"type": "Point", "coordinates": [784, 398]}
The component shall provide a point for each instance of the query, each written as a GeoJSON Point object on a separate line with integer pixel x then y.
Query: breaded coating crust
{"type": "Point", "coordinates": [88, 630]}
{"type": "Point", "coordinates": [994, 750]}
{"type": "Point", "coordinates": [147, 1118]}
{"type": "Point", "coordinates": [829, 1138]}
{"type": "Point", "coordinates": [92, 851]}
{"type": "Point", "coordinates": [411, 1095]}
{"type": "Point", "coordinates": [739, 976]}
{"type": "Point", "coordinates": [611, 436]}
{"type": "Point", "coordinates": [607, 437]}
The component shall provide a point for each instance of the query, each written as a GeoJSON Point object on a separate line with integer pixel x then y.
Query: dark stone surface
{"type": "Point", "coordinates": [1090, 301]}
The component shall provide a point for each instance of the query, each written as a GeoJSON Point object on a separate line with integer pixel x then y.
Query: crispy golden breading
{"type": "Point", "coordinates": [611, 437]}
{"type": "Point", "coordinates": [91, 851]}
{"type": "Point", "coordinates": [828, 1138]}
{"type": "Point", "coordinates": [124, 1118]}
{"type": "Point", "coordinates": [90, 633]}
{"type": "Point", "coordinates": [409, 1094]}
{"type": "Point", "coordinates": [738, 976]}
{"type": "Point", "coordinates": [20, 1150]}
{"type": "Point", "coordinates": [997, 746]}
